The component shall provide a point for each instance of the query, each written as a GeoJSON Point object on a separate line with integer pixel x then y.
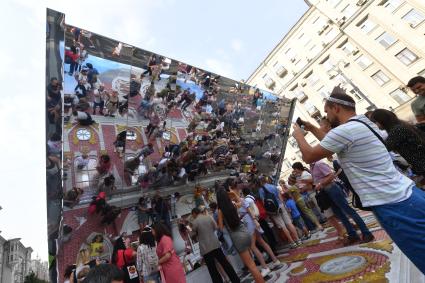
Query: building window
{"type": "Point", "coordinates": [287, 164]}
{"type": "Point", "coordinates": [293, 143]}
{"type": "Point", "coordinates": [327, 64]}
{"type": "Point", "coordinates": [406, 56]}
{"type": "Point", "coordinates": [348, 11]}
{"type": "Point", "coordinates": [386, 39]}
{"type": "Point", "coordinates": [330, 35]}
{"type": "Point", "coordinates": [380, 78]}
{"type": "Point", "coordinates": [364, 62]}
{"type": "Point", "coordinates": [280, 70]}
{"type": "Point", "coordinates": [366, 25]}
{"type": "Point", "coordinates": [348, 48]}
{"type": "Point", "coordinates": [311, 109]}
{"type": "Point", "coordinates": [414, 18]}
{"type": "Point", "coordinates": [392, 5]}
{"type": "Point", "coordinates": [400, 96]}
{"type": "Point", "coordinates": [312, 80]}
{"type": "Point", "coordinates": [355, 94]}
{"type": "Point", "coordinates": [422, 73]}
{"type": "Point", "coordinates": [323, 92]}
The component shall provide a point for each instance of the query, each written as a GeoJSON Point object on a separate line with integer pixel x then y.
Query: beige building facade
{"type": "Point", "coordinates": [369, 47]}
{"type": "Point", "coordinates": [15, 260]}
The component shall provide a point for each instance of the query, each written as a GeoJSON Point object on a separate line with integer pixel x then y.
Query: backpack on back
{"type": "Point", "coordinates": [254, 207]}
{"type": "Point", "coordinates": [271, 204]}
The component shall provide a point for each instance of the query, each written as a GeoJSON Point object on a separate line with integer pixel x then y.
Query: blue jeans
{"type": "Point", "coordinates": [153, 277]}
{"type": "Point", "coordinates": [342, 209]}
{"type": "Point", "coordinates": [404, 222]}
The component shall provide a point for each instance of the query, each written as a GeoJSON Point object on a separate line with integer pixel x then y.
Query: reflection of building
{"type": "Point", "coordinates": [372, 48]}
{"type": "Point", "coordinates": [15, 260]}
{"type": "Point", "coordinates": [40, 269]}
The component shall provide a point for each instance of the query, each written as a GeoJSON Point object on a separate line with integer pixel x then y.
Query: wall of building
{"type": "Point", "coordinates": [370, 47]}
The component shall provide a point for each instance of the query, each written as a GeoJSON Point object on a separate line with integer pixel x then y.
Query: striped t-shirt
{"type": "Point", "coordinates": [367, 163]}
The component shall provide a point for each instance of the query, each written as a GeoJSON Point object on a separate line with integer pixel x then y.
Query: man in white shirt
{"type": "Point", "coordinates": [395, 200]}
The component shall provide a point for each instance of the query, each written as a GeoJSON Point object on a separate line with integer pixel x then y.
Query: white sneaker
{"type": "Point", "coordinates": [265, 271]}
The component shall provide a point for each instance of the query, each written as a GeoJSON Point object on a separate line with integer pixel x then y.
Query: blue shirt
{"type": "Point", "coordinates": [290, 204]}
{"type": "Point", "coordinates": [272, 189]}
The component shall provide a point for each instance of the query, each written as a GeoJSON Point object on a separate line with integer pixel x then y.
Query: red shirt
{"type": "Point", "coordinates": [128, 257]}
{"type": "Point", "coordinates": [71, 54]}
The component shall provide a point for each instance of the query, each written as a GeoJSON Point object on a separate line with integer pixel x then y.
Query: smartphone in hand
{"type": "Point", "coordinates": [300, 122]}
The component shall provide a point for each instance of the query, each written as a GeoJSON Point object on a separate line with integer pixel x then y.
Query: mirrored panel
{"type": "Point", "coordinates": [146, 137]}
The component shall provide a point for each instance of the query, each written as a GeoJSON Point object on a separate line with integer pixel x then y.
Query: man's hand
{"type": "Point", "coordinates": [318, 187]}
{"type": "Point", "coordinates": [308, 126]}
{"type": "Point", "coordinates": [298, 133]}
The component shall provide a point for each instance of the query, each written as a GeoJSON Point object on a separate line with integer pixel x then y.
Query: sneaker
{"type": "Point", "coordinates": [368, 238]}
{"type": "Point", "coordinates": [351, 240]}
{"type": "Point", "coordinates": [265, 271]}
{"type": "Point", "coordinates": [298, 242]}
{"type": "Point", "coordinates": [293, 245]}
{"type": "Point", "coordinates": [276, 265]}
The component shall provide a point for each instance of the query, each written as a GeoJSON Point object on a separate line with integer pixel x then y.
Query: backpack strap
{"type": "Point", "coordinates": [371, 129]}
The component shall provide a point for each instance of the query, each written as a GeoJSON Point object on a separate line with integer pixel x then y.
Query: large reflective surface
{"type": "Point", "coordinates": [139, 124]}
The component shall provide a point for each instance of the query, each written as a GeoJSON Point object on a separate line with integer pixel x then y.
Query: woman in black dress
{"type": "Point", "coordinates": [403, 138]}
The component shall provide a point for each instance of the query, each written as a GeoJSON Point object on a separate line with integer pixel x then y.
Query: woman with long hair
{"type": "Point", "coordinates": [122, 248]}
{"type": "Point", "coordinates": [247, 213]}
{"type": "Point", "coordinates": [169, 262]}
{"type": "Point", "coordinates": [228, 217]}
{"type": "Point", "coordinates": [403, 138]}
{"type": "Point", "coordinates": [147, 259]}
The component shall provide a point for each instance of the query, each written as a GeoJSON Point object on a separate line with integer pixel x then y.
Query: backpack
{"type": "Point", "coordinates": [271, 204]}
{"type": "Point", "coordinates": [261, 209]}
{"type": "Point", "coordinates": [254, 207]}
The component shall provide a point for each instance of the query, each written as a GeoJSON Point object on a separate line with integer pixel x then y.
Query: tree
{"type": "Point", "coordinates": [32, 278]}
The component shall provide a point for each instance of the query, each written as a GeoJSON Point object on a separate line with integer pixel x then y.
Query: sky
{"type": "Point", "coordinates": [230, 38]}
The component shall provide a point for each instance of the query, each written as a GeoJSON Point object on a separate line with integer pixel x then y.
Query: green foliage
{"type": "Point", "coordinates": [32, 278]}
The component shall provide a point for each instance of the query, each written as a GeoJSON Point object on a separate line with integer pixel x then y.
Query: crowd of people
{"type": "Point", "coordinates": [376, 159]}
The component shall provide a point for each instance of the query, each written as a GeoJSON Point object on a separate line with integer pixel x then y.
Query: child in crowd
{"type": "Point", "coordinates": [96, 246]}
{"type": "Point", "coordinates": [296, 215]}
{"type": "Point", "coordinates": [147, 259]}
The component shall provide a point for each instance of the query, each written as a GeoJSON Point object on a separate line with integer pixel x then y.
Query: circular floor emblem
{"type": "Point", "coordinates": [342, 264]}
{"type": "Point", "coordinates": [83, 134]}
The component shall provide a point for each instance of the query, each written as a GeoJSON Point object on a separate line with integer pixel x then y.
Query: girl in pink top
{"type": "Point", "coordinates": [168, 260]}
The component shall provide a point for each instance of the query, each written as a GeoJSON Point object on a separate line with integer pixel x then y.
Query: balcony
{"type": "Point", "coordinates": [270, 83]}
{"type": "Point", "coordinates": [301, 96]}
{"type": "Point", "coordinates": [313, 111]}
{"type": "Point", "coordinates": [281, 71]}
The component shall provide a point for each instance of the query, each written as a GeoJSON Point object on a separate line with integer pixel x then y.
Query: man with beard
{"type": "Point", "coordinates": [417, 85]}
{"type": "Point", "coordinates": [395, 200]}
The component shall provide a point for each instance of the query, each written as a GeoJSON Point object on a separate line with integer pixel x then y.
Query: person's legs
{"type": "Point", "coordinates": [284, 232]}
{"type": "Point", "coordinates": [345, 221]}
{"type": "Point", "coordinates": [222, 260]}
{"type": "Point", "coordinates": [315, 207]}
{"type": "Point", "coordinates": [257, 252]}
{"type": "Point", "coordinates": [268, 232]}
{"type": "Point", "coordinates": [288, 222]}
{"type": "Point", "coordinates": [339, 229]}
{"type": "Point", "coordinates": [265, 246]}
{"type": "Point", "coordinates": [339, 198]}
{"type": "Point", "coordinates": [250, 264]}
{"type": "Point", "coordinates": [404, 222]}
{"type": "Point", "coordinates": [212, 269]}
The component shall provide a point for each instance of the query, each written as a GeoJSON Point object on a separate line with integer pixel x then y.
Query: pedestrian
{"type": "Point", "coordinates": [417, 86]}
{"type": "Point", "coordinates": [147, 259]}
{"type": "Point", "coordinates": [172, 268]}
{"type": "Point", "coordinates": [204, 227]}
{"type": "Point", "coordinates": [228, 217]}
{"type": "Point", "coordinates": [395, 200]}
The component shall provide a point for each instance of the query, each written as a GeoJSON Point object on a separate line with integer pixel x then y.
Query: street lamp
{"type": "Point", "coordinates": [338, 69]}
